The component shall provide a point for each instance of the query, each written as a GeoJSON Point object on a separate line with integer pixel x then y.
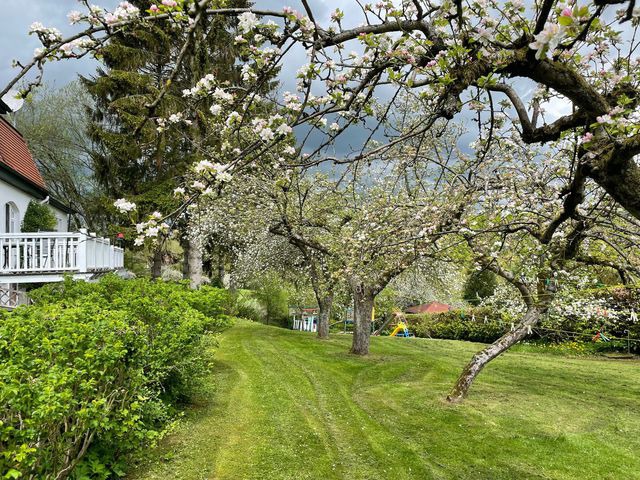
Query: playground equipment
{"type": "Point", "coordinates": [401, 330]}
{"type": "Point", "coordinates": [305, 319]}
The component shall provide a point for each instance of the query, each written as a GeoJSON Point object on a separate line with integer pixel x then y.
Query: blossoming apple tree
{"type": "Point", "coordinates": [542, 226]}
{"type": "Point", "coordinates": [364, 228]}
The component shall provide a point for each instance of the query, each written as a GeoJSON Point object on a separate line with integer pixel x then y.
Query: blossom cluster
{"type": "Point", "coordinates": [124, 206]}
{"type": "Point", "coordinates": [123, 12]}
{"type": "Point", "coordinates": [151, 229]}
{"type": "Point", "coordinates": [568, 21]}
{"type": "Point", "coordinates": [47, 35]}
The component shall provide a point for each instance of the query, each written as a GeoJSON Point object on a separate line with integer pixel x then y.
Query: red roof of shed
{"type": "Point", "coordinates": [15, 153]}
{"type": "Point", "coordinates": [432, 307]}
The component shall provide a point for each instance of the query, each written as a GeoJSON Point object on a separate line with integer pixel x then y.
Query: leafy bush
{"type": "Point", "coordinates": [212, 301]}
{"type": "Point", "coordinates": [273, 293]}
{"type": "Point", "coordinates": [577, 316]}
{"type": "Point", "coordinates": [476, 325]}
{"type": "Point", "coordinates": [38, 218]}
{"type": "Point", "coordinates": [93, 372]}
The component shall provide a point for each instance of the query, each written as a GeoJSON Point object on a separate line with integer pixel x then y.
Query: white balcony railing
{"type": "Point", "coordinates": [11, 297]}
{"type": "Point", "coordinates": [54, 252]}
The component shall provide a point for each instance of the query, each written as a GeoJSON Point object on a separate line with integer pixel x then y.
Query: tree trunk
{"type": "Point", "coordinates": [192, 267]}
{"type": "Point", "coordinates": [186, 246]}
{"type": "Point", "coordinates": [618, 173]}
{"type": "Point", "coordinates": [362, 311]}
{"type": "Point", "coordinates": [221, 271]}
{"type": "Point", "coordinates": [480, 359]}
{"type": "Point", "coordinates": [324, 305]}
{"type": "Point", "coordinates": [156, 265]}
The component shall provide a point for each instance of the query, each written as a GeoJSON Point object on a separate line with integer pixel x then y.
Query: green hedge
{"type": "Point", "coordinates": [585, 318]}
{"type": "Point", "coordinates": [474, 324]}
{"type": "Point", "coordinates": [93, 372]}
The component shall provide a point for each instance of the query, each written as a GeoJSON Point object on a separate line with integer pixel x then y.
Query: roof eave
{"type": "Point", "coordinates": [4, 108]}
{"type": "Point", "coordinates": [21, 182]}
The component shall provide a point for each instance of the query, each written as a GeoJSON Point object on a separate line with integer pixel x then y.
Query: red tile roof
{"type": "Point", "coordinates": [15, 153]}
{"type": "Point", "coordinates": [432, 307]}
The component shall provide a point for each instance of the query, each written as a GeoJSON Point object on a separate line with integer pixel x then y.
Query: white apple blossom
{"type": "Point", "coordinates": [124, 206]}
{"type": "Point", "coordinates": [247, 22]}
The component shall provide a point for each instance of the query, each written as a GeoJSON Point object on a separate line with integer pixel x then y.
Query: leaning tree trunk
{"type": "Point", "coordinates": [324, 305]}
{"type": "Point", "coordinates": [480, 359]}
{"type": "Point", "coordinates": [192, 268]}
{"type": "Point", "coordinates": [363, 300]}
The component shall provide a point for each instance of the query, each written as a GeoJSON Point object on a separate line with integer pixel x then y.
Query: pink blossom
{"type": "Point", "coordinates": [74, 17]}
{"type": "Point", "coordinates": [567, 12]}
{"type": "Point", "coordinates": [169, 3]}
{"type": "Point", "coordinates": [587, 137]}
{"type": "Point", "coordinates": [110, 18]}
{"type": "Point", "coordinates": [154, 8]}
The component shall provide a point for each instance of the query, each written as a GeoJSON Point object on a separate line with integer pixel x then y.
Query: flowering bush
{"type": "Point", "coordinates": [612, 311]}
{"type": "Point", "coordinates": [93, 372]}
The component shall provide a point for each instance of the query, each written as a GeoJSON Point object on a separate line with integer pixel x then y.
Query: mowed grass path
{"type": "Point", "coordinates": [284, 405]}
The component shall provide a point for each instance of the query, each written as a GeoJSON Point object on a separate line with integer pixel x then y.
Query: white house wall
{"type": "Point", "coordinates": [9, 193]}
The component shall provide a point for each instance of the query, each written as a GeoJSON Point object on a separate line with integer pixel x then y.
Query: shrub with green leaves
{"type": "Point", "coordinates": [93, 372]}
{"type": "Point", "coordinates": [479, 285]}
{"type": "Point", "coordinates": [576, 316]}
{"type": "Point", "coordinates": [212, 301]}
{"type": "Point", "coordinates": [476, 324]}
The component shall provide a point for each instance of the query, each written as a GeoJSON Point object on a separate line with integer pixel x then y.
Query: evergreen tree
{"type": "Point", "coordinates": [38, 218]}
{"type": "Point", "coordinates": [479, 285]}
{"type": "Point", "coordinates": [138, 62]}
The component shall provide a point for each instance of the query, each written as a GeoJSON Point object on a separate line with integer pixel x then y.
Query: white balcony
{"type": "Point", "coordinates": [11, 297]}
{"type": "Point", "coordinates": [48, 256]}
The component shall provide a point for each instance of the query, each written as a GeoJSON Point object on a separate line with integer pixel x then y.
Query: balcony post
{"type": "Point", "coordinates": [82, 252]}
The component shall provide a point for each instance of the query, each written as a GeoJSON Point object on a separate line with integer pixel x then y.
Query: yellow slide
{"type": "Point", "coordinates": [400, 328]}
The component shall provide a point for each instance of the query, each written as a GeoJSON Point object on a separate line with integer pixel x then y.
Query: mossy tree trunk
{"type": "Point", "coordinates": [325, 303]}
{"type": "Point", "coordinates": [363, 301]}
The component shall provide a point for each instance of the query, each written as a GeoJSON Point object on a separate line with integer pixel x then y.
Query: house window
{"type": "Point", "coordinates": [12, 218]}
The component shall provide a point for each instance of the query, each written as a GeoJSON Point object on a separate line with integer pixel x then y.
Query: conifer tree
{"type": "Point", "coordinates": [137, 65]}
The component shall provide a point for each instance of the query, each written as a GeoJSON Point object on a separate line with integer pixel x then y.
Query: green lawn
{"type": "Point", "coordinates": [283, 405]}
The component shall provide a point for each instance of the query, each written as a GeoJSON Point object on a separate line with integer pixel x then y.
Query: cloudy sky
{"type": "Point", "coordinates": [17, 44]}
{"type": "Point", "coordinates": [18, 15]}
